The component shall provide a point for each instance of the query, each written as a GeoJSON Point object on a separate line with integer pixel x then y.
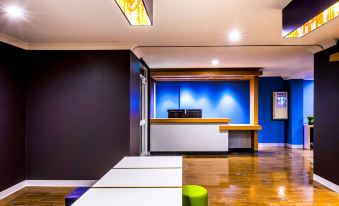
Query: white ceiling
{"type": "Point", "coordinates": [176, 23]}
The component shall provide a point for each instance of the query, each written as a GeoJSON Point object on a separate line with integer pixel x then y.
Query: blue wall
{"type": "Point", "coordinates": [151, 107]}
{"type": "Point", "coordinates": [308, 99]}
{"type": "Point", "coordinates": [231, 99]}
{"type": "Point", "coordinates": [216, 99]}
{"type": "Point", "coordinates": [296, 113]}
{"type": "Point", "coordinates": [273, 130]}
{"type": "Point", "coordinates": [300, 106]}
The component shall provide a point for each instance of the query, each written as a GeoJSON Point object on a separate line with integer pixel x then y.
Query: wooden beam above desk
{"type": "Point", "coordinates": [192, 120]}
{"type": "Point", "coordinates": [189, 74]}
{"type": "Point", "coordinates": [334, 57]}
{"type": "Point", "coordinates": [240, 127]}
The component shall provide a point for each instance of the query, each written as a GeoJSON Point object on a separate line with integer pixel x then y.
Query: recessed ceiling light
{"type": "Point", "coordinates": [234, 36]}
{"type": "Point", "coordinates": [14, 11]}
{"type": "Point", "coordinates": [215, 62]}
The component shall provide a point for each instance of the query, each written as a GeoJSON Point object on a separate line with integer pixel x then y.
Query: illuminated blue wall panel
{"type": "Point", "coordinates": [216, 99]}
{"type": "Point", "coordinates": [167, 97]}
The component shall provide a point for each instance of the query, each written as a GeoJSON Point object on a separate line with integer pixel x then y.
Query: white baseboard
{"type": "Point", "coordinates": [46, 183]}
{"type": "Point", "coordinates": [295, 146]}
{"type": "Point", "coordinates": [12, 190]}
{"type": "Point", "coordinates": [326, 183]}
{"type": "Point", "coordinates": [272, 145]}
{"type": "Point", "coordinates": [59, 183]}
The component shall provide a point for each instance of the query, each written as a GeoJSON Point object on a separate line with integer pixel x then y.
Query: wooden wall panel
{"type": "Point", "coordinates": [205, 74]}
{"type": "Point", "coordinates": [254, 108]}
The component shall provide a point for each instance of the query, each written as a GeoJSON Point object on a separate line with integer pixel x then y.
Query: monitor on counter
{"type": "Point", "coordinates": [184, 113]}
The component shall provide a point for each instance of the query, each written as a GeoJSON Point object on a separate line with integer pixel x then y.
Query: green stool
{"type": "Point", "coordinates": [194, 195]}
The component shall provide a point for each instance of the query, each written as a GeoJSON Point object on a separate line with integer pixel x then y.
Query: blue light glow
{"type": "Point", "coordinates": [216, 99]}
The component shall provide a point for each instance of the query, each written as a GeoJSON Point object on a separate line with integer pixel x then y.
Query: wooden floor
{"type": "Point", "coordinates": [34, 196]}
{"type": "Point", "coordinates": [274, 176]}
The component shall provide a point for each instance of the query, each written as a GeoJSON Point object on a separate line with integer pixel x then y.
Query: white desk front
{"type": "Point", "coordinates": [150, 162]}
{"type": "Point", "coordinates": [131, 197]}
{"type": "Point", "coordinates": [141, 178]}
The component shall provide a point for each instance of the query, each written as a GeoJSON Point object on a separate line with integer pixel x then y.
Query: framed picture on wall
{"type": "Point", "coordinates": [280, 105]}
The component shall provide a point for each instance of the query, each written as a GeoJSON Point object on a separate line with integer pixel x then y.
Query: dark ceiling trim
{"type": "Point", "coordinates": [298, 12]}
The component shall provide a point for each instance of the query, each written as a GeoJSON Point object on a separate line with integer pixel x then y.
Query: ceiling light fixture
{"type": "Point", "coordinates": [137, 12]}
{"type": "Point", "coordinates": [316, 22]}
{"type": "Point", "coordinates": [234, 36]}
{"type": "Point", "coordinates": [15, 12]}
{"type": "Point", "coordinates": [215, 62]}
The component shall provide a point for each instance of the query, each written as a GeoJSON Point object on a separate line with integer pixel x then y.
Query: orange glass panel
{"type": "Point", "coordinates": [135, 12]}
{"type": "Point", "coordinates": [321, 19]}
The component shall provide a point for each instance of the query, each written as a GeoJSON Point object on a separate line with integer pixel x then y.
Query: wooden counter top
{"type": "Point", "coordinates": [192, 120]}
{"type": "Point", "coordinates": [239, 127]}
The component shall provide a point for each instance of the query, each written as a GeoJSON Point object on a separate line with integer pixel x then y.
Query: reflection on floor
{"type": "Point", "coordinates": [274, 176]}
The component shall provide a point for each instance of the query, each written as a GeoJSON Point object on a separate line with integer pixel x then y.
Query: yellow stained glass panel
{"type": "Point", "coordinates": [321, 19]}
{"type": "Point", "coordinates": [135, 12]}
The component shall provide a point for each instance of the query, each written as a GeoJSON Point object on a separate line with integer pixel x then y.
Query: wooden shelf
{"type": "Point", "coordinates": [192, 120]}
{"type": "Point", "coordinates": [240, 127]}
{"type": "Point", "coordinates": [307, 136]}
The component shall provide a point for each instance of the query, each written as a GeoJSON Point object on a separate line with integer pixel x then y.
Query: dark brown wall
{"type": "Point", "coordinates": [326, 101]}
{"type": "Point", "coordinates": [78, 113]}
{"type": "Point", "coordinates": [12, 138]}
{"type": "Point", "coordinates": [66, 114]}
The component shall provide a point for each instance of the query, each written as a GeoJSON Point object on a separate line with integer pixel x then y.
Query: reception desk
{"type": "Point", "coordinates": [188, 135]}
{"type": "Point", "coordinates": [200, 135]}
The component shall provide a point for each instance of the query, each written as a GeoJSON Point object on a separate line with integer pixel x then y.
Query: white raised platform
{"type": "Point", "coordinates": [136, 181]}
{"type": "Point", "coordinates": [141, 178]}
{"type": "Point", "coordinates": [150, 162]}
{"type": "Point", "coordinates": [131, 197]}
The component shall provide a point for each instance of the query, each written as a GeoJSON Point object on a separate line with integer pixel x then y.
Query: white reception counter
{"type": "Point", "coordinates": [188, 135]}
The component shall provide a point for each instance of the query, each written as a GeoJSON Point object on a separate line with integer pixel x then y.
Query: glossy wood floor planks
{"type": "Point", "coordinates": [273, 177]}
{"type": "Point", "coordinates": [36, 196]}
